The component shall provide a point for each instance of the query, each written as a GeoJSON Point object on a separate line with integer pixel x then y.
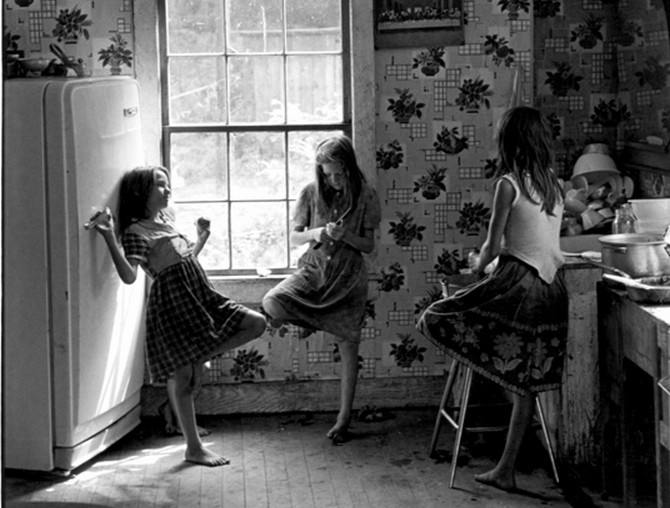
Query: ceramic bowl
{"type": "Point", "coordinates": [594, 167]}
{"type": "Point", "coordinates": [34, 64]}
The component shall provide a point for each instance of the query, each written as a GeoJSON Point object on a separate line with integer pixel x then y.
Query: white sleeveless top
{"type": "Point", "coordinates": [532, 235]}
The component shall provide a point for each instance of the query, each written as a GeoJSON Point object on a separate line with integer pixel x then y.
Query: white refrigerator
{"type": "Point", "coordinates": [73, 351]}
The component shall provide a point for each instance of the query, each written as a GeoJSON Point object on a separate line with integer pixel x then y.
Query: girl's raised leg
{"type": "Point", "coordinates": [252, 326]}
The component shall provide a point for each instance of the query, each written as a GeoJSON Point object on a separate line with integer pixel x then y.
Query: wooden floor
{"type": "Point", "coordinates": [286, 461]}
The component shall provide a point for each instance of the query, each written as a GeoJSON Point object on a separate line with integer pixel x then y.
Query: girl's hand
{"type": "Point", "coordinates": [318, 234]}
{"type": "Point", "coordinates": [335, 230]}
{"type": "Point", "coordinates": [473, 261]}
{"type": "Point", "coordinates": [104, 222]}
{"type": "Point", "coordinates": [202, 226]}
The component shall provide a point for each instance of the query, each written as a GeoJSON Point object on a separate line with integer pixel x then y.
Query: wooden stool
{"type": "Point", "coordinates": [443, 413]}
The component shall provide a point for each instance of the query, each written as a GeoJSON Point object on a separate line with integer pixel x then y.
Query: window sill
{"type": "Point", "coordinates": [245, 289]}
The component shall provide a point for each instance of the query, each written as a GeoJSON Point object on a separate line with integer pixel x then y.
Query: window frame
{"type": "Point", "coordinates": [167, 129]}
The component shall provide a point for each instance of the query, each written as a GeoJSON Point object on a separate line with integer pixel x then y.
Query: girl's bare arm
{"type": "Point", "coordinates": [126, 269]}
{"type": "Point", "coordinates": [502, 203]}
{"type": "Point", "coordinates": [203, 232]}
{"type": "Point", "coordinates": [365, 243]}
{"type": "Point", "coordinates": [302, 235]}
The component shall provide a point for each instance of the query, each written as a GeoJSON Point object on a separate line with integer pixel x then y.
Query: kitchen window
{"type": "Point", "coordinates": [248, 89]}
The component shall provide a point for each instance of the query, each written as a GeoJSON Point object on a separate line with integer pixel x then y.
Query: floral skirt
{"type": "Point", "coordinates": [510, 327]}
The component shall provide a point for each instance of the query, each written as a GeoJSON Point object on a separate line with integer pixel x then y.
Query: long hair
{"type": "Point", "coordinates": [337, 149]}
{"type": "Point", "coordinates": [524, 149]}
{"type": "Point", "coordinates": [136, 187]}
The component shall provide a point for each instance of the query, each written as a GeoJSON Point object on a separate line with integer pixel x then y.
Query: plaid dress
{"type": "Point", "coordinates": [330, 287]}
{"type": "Point", "coordinates": [511, 327]}
{"type": "Point", "coordinates": [187, 320]}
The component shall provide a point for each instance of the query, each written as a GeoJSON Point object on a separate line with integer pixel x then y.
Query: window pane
{"type": "Point", "coordinates": [195, 26]}
{"type": "Point", "coordinates": [214, 255]}
{"type": "Point", "coordinates": [313, 26]}
{"type": "Point", "coordinates": [198, 166]}
{"type": "Point", "coordinates": [256, 85]}
{"type": "Point", "coordinates": [255, 26]}
{"type": "Point", "coordinates": [241, 76]}
{"type": "Point", "coordinates": [314, 89]}
{"type": "Point", "coordinates": [197, 90]}
{"type": "Point", "coordinates": [301, 145]}
{"type": "Point", "coordinates": [259, 235]}
{"type": "Point", "coordinates": [257, 166]}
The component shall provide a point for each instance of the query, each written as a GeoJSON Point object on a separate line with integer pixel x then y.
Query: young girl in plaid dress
{"type": "Point", "coordinates": [511, 327]}
{"type": "Point", "coordinates": [187, 321]}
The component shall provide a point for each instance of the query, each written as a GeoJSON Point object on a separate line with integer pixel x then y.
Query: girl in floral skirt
{"type": "Point", "coordinates": [511, 326]}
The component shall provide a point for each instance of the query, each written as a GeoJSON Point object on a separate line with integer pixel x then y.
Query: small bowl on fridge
{"type": "Point", "coordinates": [34, 64]}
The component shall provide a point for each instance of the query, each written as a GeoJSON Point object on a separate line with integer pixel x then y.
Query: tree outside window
{"type": "Point", "coordinates": [250, 87]}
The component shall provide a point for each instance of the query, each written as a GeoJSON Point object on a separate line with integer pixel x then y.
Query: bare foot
{"type": "Point", "coordinates": [205, 458]}
{"type": "Point", "coordinates": [339, 433]}
{"type": "Point", "coordinates": [497, 480]}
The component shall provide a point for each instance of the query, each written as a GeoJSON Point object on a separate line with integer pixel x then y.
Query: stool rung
{"type": "Point", "coordinates": [460, 427]}
{"type": "Point", "coordinates": [454, 424]}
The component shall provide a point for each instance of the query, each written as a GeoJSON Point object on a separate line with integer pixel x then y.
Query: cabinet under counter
{"type": "Point", "coordinates": [634, 422]}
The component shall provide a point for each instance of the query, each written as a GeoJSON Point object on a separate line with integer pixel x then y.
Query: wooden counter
{"type": "Point", "coordinates": [634, 424]}
{"type": "Point", "coordinates": [573, 410]}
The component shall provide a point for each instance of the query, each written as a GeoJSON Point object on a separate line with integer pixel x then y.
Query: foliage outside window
{"type": "Point", "coordinates": [249, 88]}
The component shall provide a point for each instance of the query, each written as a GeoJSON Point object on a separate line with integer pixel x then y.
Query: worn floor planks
{"type": "Point", "coordinates": [280, 461]}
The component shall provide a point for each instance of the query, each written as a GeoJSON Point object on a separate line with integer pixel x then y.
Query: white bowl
{"type": "Point", "coordinates": [594, 167]}
{"type": "Point", "coordinates": [651, 209]}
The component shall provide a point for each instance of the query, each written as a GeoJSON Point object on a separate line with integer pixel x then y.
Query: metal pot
{"type": "Point", "coordinates": [639, 255]}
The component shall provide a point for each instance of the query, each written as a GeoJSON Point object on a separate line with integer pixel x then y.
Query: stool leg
{"type": "Point", "coordinates": [545, 433]}
{"type": "Point", "coordinates": [440, 412]}
{"type": "Point", "coordinates": [461, 423]}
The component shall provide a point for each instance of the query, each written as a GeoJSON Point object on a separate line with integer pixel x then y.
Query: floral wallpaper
{"type": "Point", "coordinates": [602, 73]}
{"type": "Point", "coordinates": [437, 107]}
{"type": "Point", "coordinates": [598, 69]}
{"type": "Point", "coordinates": [81, 28]}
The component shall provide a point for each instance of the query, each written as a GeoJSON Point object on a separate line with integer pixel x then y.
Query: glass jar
{"type": "Point", "coordinates": [624, 220]}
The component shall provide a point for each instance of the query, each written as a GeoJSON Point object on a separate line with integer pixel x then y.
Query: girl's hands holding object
{"type": "Point", "coordinates": [473, 261]}
{"type": "Point", "coordinates": [335, 230]}
{"type": "Point", "coordinates": [318, 234]}
{"type": "Point", "coordinates": [102, 221]}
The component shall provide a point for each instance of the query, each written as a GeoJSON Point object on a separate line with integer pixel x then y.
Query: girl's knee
{"type": "Point", "coordinates": [183, 380]}
{"type": "Point", "coordinates": [270, 306]}
{"type": "Point", "coordinates": [255, 323]}
{"type": "Point", "coordinates": [273, 306]}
